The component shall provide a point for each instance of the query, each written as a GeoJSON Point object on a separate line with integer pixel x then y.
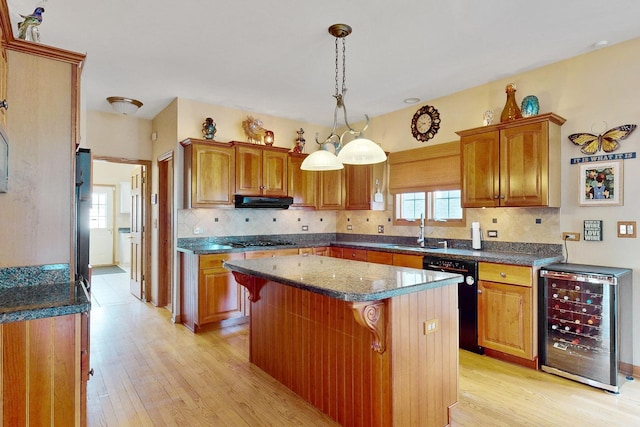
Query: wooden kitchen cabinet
{"type": "Point", "coordinates": [41, 371]}
{"type": "Point", "coordinates": [330, 190]}
{"type": "Point", "coordinates": [302, 184]}
{"type": "Point", "coordinates": [407, 260]}
{"type": "Point", "coordinates": [354, 254]}
{"type": "Point", "coordinates": [261, 169]}
{"type": "Point", "coordinates": [515, 163]}
{"type": "Point", "coordinates": [209, 173]}
{"type": "Point", "coordinates": [506, 310]}
{"type": "Point", "coordinates": [379, 257]}
{"type": "Point", "coordinates": [358, 192]}
{"type": "Point", "coordinates": [209, 293]}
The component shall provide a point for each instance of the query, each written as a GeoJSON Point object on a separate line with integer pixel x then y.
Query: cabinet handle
{"type": "Point", "coordinates": [4, 104]}
{"type": "Point", "coordinates": [479, 291]}
{"type": "Point", "coordinates": [501, 196]}
{"type": "Point", "coordinates": [91, 372]}
{"type": "Point", "coordinates": [496, 197]}
{"type": "Point", "coordinates": [503, 275]}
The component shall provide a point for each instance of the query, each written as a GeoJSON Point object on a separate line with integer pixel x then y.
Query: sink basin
{"type": "Point", "coordinates": [216, 247]}
{"type": "Point", "coordinates": [412, 248]}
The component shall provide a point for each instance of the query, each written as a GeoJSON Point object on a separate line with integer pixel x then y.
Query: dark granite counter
{"type": "Point", "coordinates": [516, 258]}
{"type": "Point", "coordinates": [39, 301]}
{"type": "Point", "coordinates": [36, 292]}
{"type": "Point", "coordinates": [341, 279]}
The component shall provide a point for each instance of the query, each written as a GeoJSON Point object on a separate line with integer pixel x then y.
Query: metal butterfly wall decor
{"type": "Point", "coordinates": [608, 141]}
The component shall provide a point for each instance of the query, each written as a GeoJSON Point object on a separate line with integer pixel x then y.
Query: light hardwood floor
{"type": "Point", "coordinates": [150, 372]}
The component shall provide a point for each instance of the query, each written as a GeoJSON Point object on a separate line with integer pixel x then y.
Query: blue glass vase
{"type": "Point", "coordinates": [530, 106]}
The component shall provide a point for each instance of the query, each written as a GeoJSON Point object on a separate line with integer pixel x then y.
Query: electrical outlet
{"type": "Point", "coordinates": [197, 230]}
{"type": "Point", "coordinates": [430, 326]}
{"type": "Point", "coordinates": [349, 227]}
{"type": "Point", "coordinates": [492, 233]}
{"type": "Point", "coordinates": [567, 235]}
{"type": "Point", "coordinates": [381, 229]}
{"type": "Point", "coordinates": [305, 228]}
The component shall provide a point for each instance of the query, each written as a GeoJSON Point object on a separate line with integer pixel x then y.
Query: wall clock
{"type": "Point", "coordinates": [425, 123]}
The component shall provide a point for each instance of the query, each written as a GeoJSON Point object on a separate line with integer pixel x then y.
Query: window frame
{"type": "Point", "coordinates": [429, 194]}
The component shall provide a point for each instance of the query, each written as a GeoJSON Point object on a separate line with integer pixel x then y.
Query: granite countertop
{"type": "Point", "coordinates": [39, 301]}
{"type": "Point", "coordinates": [516, 258]}
{"type": "Point", "coordinates": [343, 279]}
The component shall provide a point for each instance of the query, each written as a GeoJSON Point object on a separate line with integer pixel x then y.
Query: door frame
{"type": "Point", "coordinates": [166, 254]}
{"type": "Point", "coordinates": [112, 215]}
{"type": "Point", "coordinates": [146, 220]}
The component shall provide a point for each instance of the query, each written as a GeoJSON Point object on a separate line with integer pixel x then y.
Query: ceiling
{"type": "Point", "coordinates": [277, 58]}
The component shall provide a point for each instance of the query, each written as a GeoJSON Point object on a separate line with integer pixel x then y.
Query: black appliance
{"type": "Point", "coordinates": [586, 323]}
{"type": "Point", "coordinates": [83, 201]}
{"type": "Point", "coordinates": [262, 202]}
{"type": "Point", "coordinates": [467, 297]}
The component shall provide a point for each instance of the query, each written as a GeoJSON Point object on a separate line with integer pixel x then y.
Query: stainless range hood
{"type": "Point", "coordinates": [262, 202]}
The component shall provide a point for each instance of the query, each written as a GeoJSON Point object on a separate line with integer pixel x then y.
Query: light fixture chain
{"type": "Point", "coordinates": [344, 67]}
{"type": "Point", "coordinates": [337, 68]}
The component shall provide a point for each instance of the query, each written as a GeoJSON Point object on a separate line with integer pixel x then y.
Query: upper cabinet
{"type": "Point", "coordinates": [331, 190]}
{"type": "Point", "coordinates": [209, 173]}
{"type": "Point", "coordinates": [358, 187]}
{"type": "Point", "coordinates": [261, 170]}
{"type": "Point", "coordinates": [515, 163]}
{"type": "Point", "coordinates": [302, 184]}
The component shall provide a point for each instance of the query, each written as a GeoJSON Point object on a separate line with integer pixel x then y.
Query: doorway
{"type": "Point", "coordinates": [130, 241]}
{"type": "Point", "coordinates": [101, 221]}
{"type": "Point", "coordinates": [166, 253]}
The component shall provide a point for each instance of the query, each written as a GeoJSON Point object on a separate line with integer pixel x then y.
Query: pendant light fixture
{"type": "Point", "coordinates": [360, 151]}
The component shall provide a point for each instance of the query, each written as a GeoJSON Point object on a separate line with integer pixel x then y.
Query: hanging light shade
{"type": "Point", "coordinates": [123, 105]}
{"type": "Point", "coordinates": [321, 160]}
{"type": "Point", "coordinates": [360, 151]}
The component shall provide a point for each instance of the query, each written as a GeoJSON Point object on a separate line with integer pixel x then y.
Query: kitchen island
{"type": "Point", "coordinates": [367, 344]}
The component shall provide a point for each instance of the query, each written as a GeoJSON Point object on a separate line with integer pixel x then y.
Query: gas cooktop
{"type": "Point", "coordinates": [258, 243]}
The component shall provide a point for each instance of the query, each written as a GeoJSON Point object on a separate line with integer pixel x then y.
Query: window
{"type": "Point", "coordinates": [98, 211]}
{"type": "Point", "coordinates": [439, 208]}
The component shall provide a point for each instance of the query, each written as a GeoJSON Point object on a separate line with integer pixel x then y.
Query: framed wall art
{"type": "Point", "coordinates": [601, 183]}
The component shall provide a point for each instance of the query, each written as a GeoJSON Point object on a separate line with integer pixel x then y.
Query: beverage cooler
{"type": "Point", "coordinates": [586, 324]}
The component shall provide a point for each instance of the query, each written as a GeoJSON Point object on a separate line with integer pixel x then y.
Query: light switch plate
{"type": "Point", "coordinates": [626, 229]}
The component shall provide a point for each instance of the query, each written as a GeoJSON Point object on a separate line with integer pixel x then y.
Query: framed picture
{"type": "Point", "coordinates": [601, 183]}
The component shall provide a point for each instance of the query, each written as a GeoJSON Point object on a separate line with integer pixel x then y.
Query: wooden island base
{"type": "Point", "coordinates": [388, 372]}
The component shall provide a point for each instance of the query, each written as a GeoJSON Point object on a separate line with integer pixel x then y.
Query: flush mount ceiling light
{"type": "Point", "coordinates": [124, 106]}
{"type": "Point", "coordinates": [360, 151]}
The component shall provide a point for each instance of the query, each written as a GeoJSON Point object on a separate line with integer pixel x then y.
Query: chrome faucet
{"type": "Point", "coordinates": [421, 236]}
{"type": "Point", "coordinates": [443, 243]}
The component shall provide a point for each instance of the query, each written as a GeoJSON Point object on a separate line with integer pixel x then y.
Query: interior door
{"type": "Point", "coordinates": [137, 230]}
{"type": "Point", "coordinates": [101, 223]}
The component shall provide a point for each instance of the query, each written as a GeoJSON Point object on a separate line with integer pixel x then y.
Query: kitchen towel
{"type": "Point", "coordinates": [476, 234]}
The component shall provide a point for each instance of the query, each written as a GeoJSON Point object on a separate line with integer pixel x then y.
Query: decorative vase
{"type": "Point", "coordinates": [530, 106]}
{"type": "Point", "coordinates": [511, 110]}
{"type": "Point", "coordinates": [208, 128]}
{"type": "Point", "coordinates": [268, 137]}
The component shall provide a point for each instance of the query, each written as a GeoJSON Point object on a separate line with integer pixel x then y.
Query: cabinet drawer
{"type": "Point", "coordinates": [505, 273]}
{"type": "Point", "coordinates": [216, 260]}
{"type": "Point", "coordinates": [354, 254]}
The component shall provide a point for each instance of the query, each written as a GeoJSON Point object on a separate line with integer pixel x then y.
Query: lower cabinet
{"type": "Point", "coordinates": [506, 310]}
{"type": "Point", "coordinates": [208, 292]}
{"type": "Point", "coordinates": [43, 382]}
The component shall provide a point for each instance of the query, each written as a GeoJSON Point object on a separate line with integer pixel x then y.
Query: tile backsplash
{"type": "Point", "coordinates": [532, 225]}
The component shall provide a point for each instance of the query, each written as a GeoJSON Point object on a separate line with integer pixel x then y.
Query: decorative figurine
{"type": "Point", "coordinates": [487, 118]}
{"type": "Point", "coordinates": [299, 147]}
{"type": "Point", "coordinates": [28, 29]}
{"type": "Point", "coordinates": [209, 128]}
{"type": "Point", "coordinates": [253, 129]}
{"type": "Point", "coordinates": [530, 106]}
{"type": "Point", "coordinates": [268, 137]}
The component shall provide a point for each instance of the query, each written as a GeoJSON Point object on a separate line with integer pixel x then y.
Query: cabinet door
{"type": "Point", "coordinates": [354, 254]}
{"type": "Point", "coordinates": [302, 184]}
{"type": "Point", "coordinates": [322, 251]}
{"type": "Point", "coordinates": [505, 318]}
{"type": "Point", "coordinates": [248, 170]}
{"type": "Point", "coordinates": [480, 169]}
{"type": "Point", "coordinates": [274, 173]}
{"type": "Point", "coordinates": [406, 260]}
{"type": "Point", "coordinates": [331, 194]}
{"type": "Point", "coordinates": [219, 296]}
{"type": "Point", "coordinates": [212, 176]}
{"type": "Point", "coordinates": [380, 257]}
{"type": "Point", "coordinates": [524, 165]}
{"type": "Point", "coordinates": [358, 187]}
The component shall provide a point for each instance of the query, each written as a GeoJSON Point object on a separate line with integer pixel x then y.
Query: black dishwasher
{"type": "Point", "coordinates": [467, 297]}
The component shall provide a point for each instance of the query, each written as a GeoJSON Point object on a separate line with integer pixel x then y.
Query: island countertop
{"type": "Point", "coordinates": [343, 279]}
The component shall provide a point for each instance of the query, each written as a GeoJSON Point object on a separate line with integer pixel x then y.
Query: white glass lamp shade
{"type": "Point", "coordinates": [361, 151]}
{"type": "Point", "coordinates": [321, 160]}
{"type": "Point", "coordinates": [123, 105]}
